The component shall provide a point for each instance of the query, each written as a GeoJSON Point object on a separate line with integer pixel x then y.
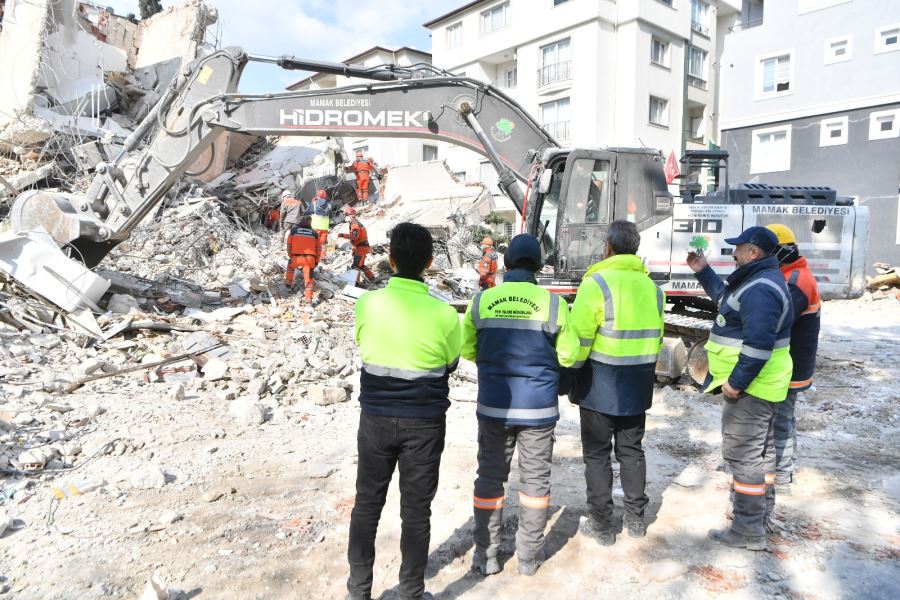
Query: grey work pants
{"type": "Point", "coordinates": [785, 439]}
{"type": "Point", "coordinates": [748, 440]}
{"type": "Point", "coordinates": [496, 444]}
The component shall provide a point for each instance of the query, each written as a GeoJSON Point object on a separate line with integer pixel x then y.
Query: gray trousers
{"type": "Point", "coordinates": [748, 440]}
{"type": "Point", "coordinates": [785, 439]}
{"type": "Point", "coordinates": [496, 444]}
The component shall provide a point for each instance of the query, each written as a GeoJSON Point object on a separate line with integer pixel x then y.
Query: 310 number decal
{"type": "Point", "coordinates": [698, 226]}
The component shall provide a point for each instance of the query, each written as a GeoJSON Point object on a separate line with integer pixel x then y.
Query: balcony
{"type": "Point", "coordinates": [700, 28]}
{"type": "Point", "coordinates": [559, 130]}
{"type": "Point", "coordinates": [696, 82]}
{"type": "Point", "coordinates": [561, 71]}
{"type": "Point", "coordinates": [749, 24]}
{"type": "Point", "coordinates": [696, 138]}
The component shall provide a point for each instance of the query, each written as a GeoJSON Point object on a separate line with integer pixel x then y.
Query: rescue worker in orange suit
{"type": "Point", "coordinates": [291, 212]}
{"type": "Point", "coordinates": [272, 216]}
{"type": "Point", "coordinates": [487, 267]}
{"type": "Point", "coordinates": [804, 344]}
{"type": "Point", "coordinates": [320, 216]}
{"type": "Point", "coordinates": [359, 240]}
{"type": "Point", "coordinates": [303, 252]}
{"type": "Point", "coordinates": [363, 169]}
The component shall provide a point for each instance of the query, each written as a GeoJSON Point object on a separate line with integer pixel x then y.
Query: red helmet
{"type": "Point", "coordinates": [320, 193]}
{"type": "Point", "coordinates": [350, 211]}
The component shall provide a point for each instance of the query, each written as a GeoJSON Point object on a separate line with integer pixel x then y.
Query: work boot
{"type": "Point", "coordinates": [530, 567]}
{"type": "Point", "coordinates": [635, 526]}
{"type": "Point", "coordinates": [729, 538]}
{"type": "Point", "coordinates": [783, 489]}
{"type": "Point", "coordinates": [484, 564]}
{"type": "Point", "coordinates": [605, 536]}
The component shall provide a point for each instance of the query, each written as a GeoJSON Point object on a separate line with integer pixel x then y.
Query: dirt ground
{"type": "Point", "coordinates": [263, 511]}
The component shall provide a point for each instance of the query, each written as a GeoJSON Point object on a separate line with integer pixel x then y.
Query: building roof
{"type": "Point", "coordinates": [363, 54]}
{"type": "Point", "coordinates": [453, 12]}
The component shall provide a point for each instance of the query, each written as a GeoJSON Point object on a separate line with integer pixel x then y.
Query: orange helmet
{"type": "Point", "coordinates": [350, 211]}
{"type": "Point", "coordinates": [488, 242]}
{"type": "Point", "coordinates": [320, 193]}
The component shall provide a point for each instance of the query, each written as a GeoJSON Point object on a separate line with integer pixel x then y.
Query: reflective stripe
{"type": "Point", "coordinates": [408, 374]}
{"type": "Point", "coordinates": [609, 359]}
{"type": "Point", "coordinates": [801, 384]}
{"type": "Point", "coordinates": [795, 275]}
{"type": "Point", "coordinates": [749, 489]}
{"type": "Point", "coordinates": [630, 334]}
{"type": "Point", "coordinates": [553, 326]}
{"type": "Point", "coordinates": [736, 343]}
{"type": "Point", "coordinates": [609, 311]}
{"type": "Point", "coordinates": [517, 413]}
{"type": "Point", "coordinates": [488, 503]}
{"type": "Point", "coordinates": [660, 297]}
{"type": "Point", "coordinates": [586, 342]}
{"type": "Point", "coordinates": [578, 364]}
{"type": "Point", "coordinates": [476, 311]}
{"type": "Point", "coordinates": [501, 323]}
{"type": "Point", "coordinates": [812, 309]}
{"type": "Point", "coordinates": [755, 353]}
{"type": "Point", "coordinates": [533, 501]}
{"type": "Point", "coordinates": [770, 478]}
{"type": "Point", "coordinates": [734, 301]}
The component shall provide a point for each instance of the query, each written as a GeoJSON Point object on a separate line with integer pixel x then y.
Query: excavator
{"type": "Point", "coordinates": [566, 196]}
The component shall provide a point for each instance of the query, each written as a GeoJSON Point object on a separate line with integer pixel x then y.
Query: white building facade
{"type": "Point", "coordinates": [818, 108]}
{"type": "Point", "coordinates": [592, 72]}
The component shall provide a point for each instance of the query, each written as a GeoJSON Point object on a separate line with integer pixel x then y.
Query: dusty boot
{"type": "Point", "coordinates": [484, 564]}
{"type": "Point", "coordinates": [605, 536]}
{"type": "Point", "coordinates": [635, 526]}
{"type": "Point", "coordinates": [729, 538]}
{"type": "Point", "coordinates": [783, 489]}
{"type": "Point", "coordinates": [530, 567]}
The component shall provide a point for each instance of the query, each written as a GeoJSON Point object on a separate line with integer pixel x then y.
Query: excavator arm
{"type": "Point", "coordinates": [204, 102]}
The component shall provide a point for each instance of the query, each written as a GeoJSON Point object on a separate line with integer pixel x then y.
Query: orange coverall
{"type": "Point", "coordinates": [363, 170]}
{"type": "Point", "coordinates": [487, 269]}
{"type": "Point", "coordinates": [303, 250]}
{"type": "Point", "coordinates": [359, 239]}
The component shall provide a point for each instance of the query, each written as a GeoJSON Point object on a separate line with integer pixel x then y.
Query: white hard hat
{"type": "Point", "coordinates": [285, 193]}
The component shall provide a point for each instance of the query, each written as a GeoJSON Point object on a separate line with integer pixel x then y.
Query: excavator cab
{"type": "Point", "coordinates": [586, 190]}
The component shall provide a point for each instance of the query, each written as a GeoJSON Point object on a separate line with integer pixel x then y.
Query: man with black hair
{"type": "Point", "coordinates": [409, 344]}
{"type": "Point", "coordinates": [618, 317]}
{"type": "Point", "coordinates": [516, 334]}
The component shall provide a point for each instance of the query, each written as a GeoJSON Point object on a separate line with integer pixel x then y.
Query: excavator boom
{"type": "Point", "coordinates": [204, 102]}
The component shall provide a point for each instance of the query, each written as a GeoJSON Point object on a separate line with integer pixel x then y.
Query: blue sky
{"type": "Point", "coordinates": [319, 29]}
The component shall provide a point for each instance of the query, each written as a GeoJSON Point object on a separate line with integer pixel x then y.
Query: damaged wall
{"type": "Point", "coordinates": [173, 33]}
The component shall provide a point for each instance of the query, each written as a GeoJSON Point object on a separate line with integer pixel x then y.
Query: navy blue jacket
{"type": "Point", "coordinates": [755, 313]}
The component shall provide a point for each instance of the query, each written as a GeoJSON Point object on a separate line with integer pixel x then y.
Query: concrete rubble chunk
{"type": "Point", "coordinates": [149, 477]}
{"type": "Point", "coordinates": [326, 395]}
{"type": "Point", "coordinates": [177, 392]}
{"type": "Point", "coordinates": [247, 411]}
{"type": "Point", "coordinates": [320, 471]}
{"type": "Point", "coordinates": [215, 369]}
{"type": "Point", "coordinates": [122, 304]}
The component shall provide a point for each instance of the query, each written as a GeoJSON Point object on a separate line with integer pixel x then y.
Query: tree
{"type": "Point", "coordinates": [149, 8]}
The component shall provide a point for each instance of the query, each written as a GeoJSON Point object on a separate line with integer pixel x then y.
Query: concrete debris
{"type": "Point", "coordinates": [247, 411]}
{"type": "Point", "coordinates": [149, 477]}
{"type": "Point", "coordinates": [324, 395]}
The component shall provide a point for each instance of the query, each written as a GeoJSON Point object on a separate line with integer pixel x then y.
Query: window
{"type": "Point", "coordinates": [887, 39]}
{"type": "Point", "coordinates": [429, 152]}
{"type": "Point", "coordinates": [833, 132]}
{"type": "Point", "coordinates": [884, 124]}
{"type": "Point", "coordinates": [700, 16]}
{"type": "Point", "coordinates": [556, 62]}
{"type": "Point", "coordinates": [659, 52]}
{"type": "Point", "coordinates": [774, 75]}
{"type": "Point", "coordinates": [460, 176]}
{"type": "Point", "coordinates": [488, 176]}
{"type": "Point", "coordinates": [697, 67]}
{"type": "Point", "coordinates": [555, 118]}
{"type": "Point", "coordinates": [838, 49]}
{"type": "Point", "coordinates": [659, 111]}
{"type": "Point", "coordinates": [510, 78]}
{"type": "Point", "coordinates": [495, 18]}
{"type": "Point", "coordinates": [770, 150]}
{"type": "Point", "coordinates": [454, 35]}
{"type": "Point", "coordinates": [588, 192]}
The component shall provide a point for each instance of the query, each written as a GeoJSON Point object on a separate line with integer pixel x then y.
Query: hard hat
{"type": "Point", "coordinates": [320, 193]}
{"type": "Point", "coordinates": [350, 211]}
{"type": "Point", "coordinates": [487, 242]}
{"type": "Point", "coordinates": [783, 233]}
{"type": "Point", "coordinates": [286, 193]}
{"type": "Point", "coordinates": [524, 248]}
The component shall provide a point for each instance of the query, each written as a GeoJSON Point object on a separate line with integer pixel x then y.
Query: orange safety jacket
{"type": "Point", "coordinates": [303, 242]}
{"type": "Point", "coordinates": [358, 235]}
{"type": "Point", "coordinates": [488, 264]}
{"type": "Point", "coordinates": [805, 330]}
{"type": "Point", "coordinates": [363, 166]}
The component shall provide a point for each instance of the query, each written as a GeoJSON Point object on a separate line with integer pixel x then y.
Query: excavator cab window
{"type": "Point", "coordinates": [588, 195]}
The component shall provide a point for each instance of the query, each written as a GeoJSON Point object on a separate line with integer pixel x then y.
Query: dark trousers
{"type": "Point", "coordinates": [748, 440]}
{"type": "Point", "coordinates": [600, 434]}
{"type": "Point", "coordinates": [383, 442]}
{"type": "Point", "coordinates": [785, 439]}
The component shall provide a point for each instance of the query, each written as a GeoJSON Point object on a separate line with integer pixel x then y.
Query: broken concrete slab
{"type": "Point", "coordinates": [247, 411]}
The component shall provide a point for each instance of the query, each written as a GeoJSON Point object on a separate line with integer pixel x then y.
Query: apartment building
{"type": "Point", "coordinates": [810, 95]}
{"type": "Point", "coordinates": [385, 151]}
{"type": "Point", "coordinates": [592, 72]}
